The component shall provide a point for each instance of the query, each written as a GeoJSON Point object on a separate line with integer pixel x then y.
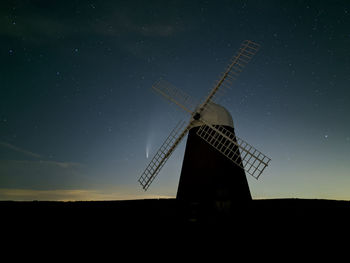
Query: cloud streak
{"type": "Point", "coordinates": [39, 174]}
{"type": "Point", "coordinates": [38, 27]}
{"type": "Point", "coordinates": [70, 195]}
{"type": "Point", "coordinates": [20, 150]}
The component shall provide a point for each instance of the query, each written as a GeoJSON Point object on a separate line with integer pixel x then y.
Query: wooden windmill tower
{"type": "Point", "coordinates": [216, 160]}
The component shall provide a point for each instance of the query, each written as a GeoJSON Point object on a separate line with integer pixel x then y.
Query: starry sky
{"type": "Point", "coordinates": [78, 118]}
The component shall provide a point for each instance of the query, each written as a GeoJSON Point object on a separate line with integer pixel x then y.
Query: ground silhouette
{"type": "Point", "coordinates": [172, 212]}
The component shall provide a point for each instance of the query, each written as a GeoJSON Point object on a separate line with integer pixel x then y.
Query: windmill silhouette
{"type": "Point", "coordinates": [216, 160]}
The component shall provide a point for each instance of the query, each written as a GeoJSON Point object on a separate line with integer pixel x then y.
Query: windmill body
{"type": "Point", "coordinates": [207, 175]}
{"type": "Point", "coordinates": [216, 161]}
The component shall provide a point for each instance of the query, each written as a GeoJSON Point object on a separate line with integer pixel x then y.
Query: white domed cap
{"type": "Point", "coordinates": [215, 114]}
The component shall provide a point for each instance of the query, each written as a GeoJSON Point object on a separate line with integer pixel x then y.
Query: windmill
{"type": "Point", "coordinates": [216, 160]}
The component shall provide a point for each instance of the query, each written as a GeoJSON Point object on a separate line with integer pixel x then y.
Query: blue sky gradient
{"type": "Point", "coordinates": [77, 114]}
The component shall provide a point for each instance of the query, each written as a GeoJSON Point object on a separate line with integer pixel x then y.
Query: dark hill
{"type": "Point", "coordinates": [172, 212]}
{"type": "Point", "coordinates": [263, 228]}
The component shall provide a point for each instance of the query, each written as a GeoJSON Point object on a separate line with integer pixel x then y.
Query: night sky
{"type": "Point", "coordinates": [78, 117]}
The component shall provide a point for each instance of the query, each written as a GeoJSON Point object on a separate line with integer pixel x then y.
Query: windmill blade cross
{"type": "Point", "coordinates": [235, 149]}
{"type": "Point", "coordinates": [163, 154]}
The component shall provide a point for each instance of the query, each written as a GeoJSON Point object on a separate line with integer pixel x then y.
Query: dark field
{"type": "Point", "coordinates": [171, 212]}
{"type": "Point", "coordinates": [295, 226]}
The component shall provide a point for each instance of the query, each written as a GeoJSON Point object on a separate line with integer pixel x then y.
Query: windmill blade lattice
{"type": "Point", "coordinates": [237, 150]}
{"type": "Point", "coordinates": [175, 95]}
{"type": "Point", "coordinates": [245, 53]}
{"type": "Point", "coordinates": [163, 154]}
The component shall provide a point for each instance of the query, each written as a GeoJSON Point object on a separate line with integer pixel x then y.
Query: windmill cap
{"type": "Point", "coordinates": [215, 114]}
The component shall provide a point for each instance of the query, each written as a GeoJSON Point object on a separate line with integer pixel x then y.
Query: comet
{"type": "Point", "coordinates": [147, 151]}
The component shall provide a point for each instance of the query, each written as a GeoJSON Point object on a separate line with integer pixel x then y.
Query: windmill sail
{"type": "Point", "coordinates": [246, 52]}
{"type": "Point", "coordinates": [237, 150]}
{"type": "Point", "coordinates": [163, 154]}
{"type": "Point", "coordinates": [174, 95]}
